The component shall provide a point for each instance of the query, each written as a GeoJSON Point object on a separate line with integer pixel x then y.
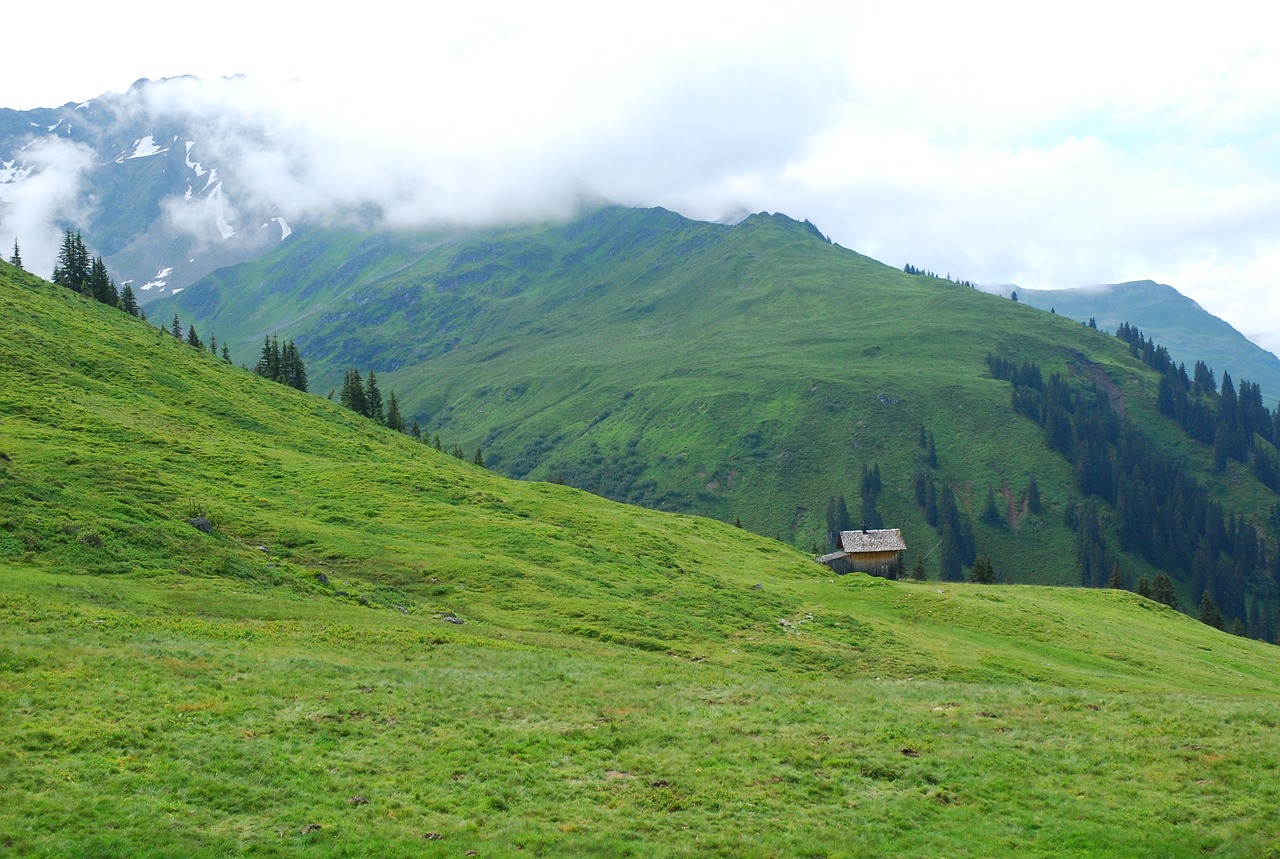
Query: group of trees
{"type": "Point", "coordinates": [282, 364]}
{"type": "Point", "coordinates": [911, 269]}
{"type": "Point", "coordinates": [176, 330]}
{"type": "Point", "coordinates": [363, 395]}
{"type": "Point", "coordinates": [87, 275]}
{"type": "Point", "coordinates": [1157, 510]}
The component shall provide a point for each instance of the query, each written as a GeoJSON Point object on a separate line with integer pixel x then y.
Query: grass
{"type": "Point", "coordinates": [292, 684]}
{"type": "Point", "coordinates": [743, 373]}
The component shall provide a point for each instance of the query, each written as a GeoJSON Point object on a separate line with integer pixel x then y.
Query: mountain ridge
{"type": "Point", "coordinates": [1170, 318]}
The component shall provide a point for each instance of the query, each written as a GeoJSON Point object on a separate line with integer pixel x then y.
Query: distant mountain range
{"type": "Point", "coordinates": [139, 181]}
{"type": "Point", "coordinates": [1170, 318]}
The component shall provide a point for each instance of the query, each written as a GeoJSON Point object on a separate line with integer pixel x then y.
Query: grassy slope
{"type": "Point", "coordinates": [738, 372]}
{"type": "Point", "coordinates": [620, 686]}
{"type": "Point", "coordinates": [1172, 320]}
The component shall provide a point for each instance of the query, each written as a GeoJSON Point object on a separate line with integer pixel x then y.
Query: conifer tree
{"type": "Point", "coordinates": [1033, 495]}
{"type": "Point", "coordinates": [292, 371]}
{"type": "Point", "coordinates": [1116, 582]}
{"type": "Point", "coordinates": [213, 344]}
{"type": "Point", "coordinates": [415, 430]}
{"type": "Point", "coordinates": [990, 514]}
{"type": "Point", "coordinates": [269, 363]}
{"type": "Point", "coordinates": [458, 452]}
{"type": "Point", "coordinates": [353, 394]}
{"type": "Point", "coordinates": [175, 327]}
{"type": "Point", "coordinates": [16, 259]}
{"type": "Point", "coordinates": [478, 459]}
{"type": "Point", "coordinates": [918, 572]}
{"type": "Point", "coordinates": [72, 267]}
{"type": "Point", "coordinates": [1209, 613]}
{"type": "Point", "coordinates": [982, 573]}
{"type": "Point", "coordinates": [226, 353]}
{"type": "Point", "coordinates": [193, 339]}
{"type": "Point", "coordinates": [1162, 590]}
{"type": "Point", "coordinates": [395, 420]}
{"type": "Point", "coordinates": [128, 301]}
{"type": "Point", "coordinates": [100, 285]}
{"type": "Point", "coordinates": [373, 400]}
{"type": "Point", "coordinates": [1143, 588]}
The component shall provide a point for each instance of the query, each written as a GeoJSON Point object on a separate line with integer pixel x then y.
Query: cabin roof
{"type": "Point", "coordinates": [879, 540]}
{"type": "Point", "coordinates": [834, 556]}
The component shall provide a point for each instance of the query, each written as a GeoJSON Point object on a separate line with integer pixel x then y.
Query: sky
{"type": "Point", "coordinates": [1043, 145]}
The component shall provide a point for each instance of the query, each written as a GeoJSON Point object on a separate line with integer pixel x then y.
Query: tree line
{"type": "Point", "coordinates": [363, 395]}
{"type": "Point", "coordinates": [1159, 511]}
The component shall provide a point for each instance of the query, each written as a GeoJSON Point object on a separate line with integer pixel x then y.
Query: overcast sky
{"type": "Point", "coordinates": [1048, 146]}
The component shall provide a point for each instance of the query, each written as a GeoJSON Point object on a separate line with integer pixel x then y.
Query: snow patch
{"type": "Point", "coordinates": [194, 165]}
{"type": "Point", "coordinates": [285, 229]}
{"type": "Point", "coordinates": [164, 272]}
{"type": "Point", "coordinates": [176, 291]}
{"type": "Point", "coordinates": [220, 211]}
{"type": "Point", "coordinates": [213, 178]}
{"type": "Point", "coordinates": [146, 147]}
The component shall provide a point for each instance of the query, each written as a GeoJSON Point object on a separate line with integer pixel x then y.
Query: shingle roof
{"type": "Point", "coordinates": [834, 556]}
{"type": "Point", "coordinates": [883, 540]}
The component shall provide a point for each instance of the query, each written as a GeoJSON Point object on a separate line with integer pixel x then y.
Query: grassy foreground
{"type": "Point", "coordinates": [623, 682]}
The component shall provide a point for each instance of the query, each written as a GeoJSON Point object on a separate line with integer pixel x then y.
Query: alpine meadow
{"type": "Point", "coordinates": [376, 648]}
{"type": "Point", "coordinates": [346, 529]}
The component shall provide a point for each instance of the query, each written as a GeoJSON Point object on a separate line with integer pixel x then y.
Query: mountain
{"type": "Point", "coordinates": [237, 618]}
{"type": "Point", "coordinates": [759, 373]}
{"type": "Point", "coordinates": [144, 179]}
{"type": "Point", "coordinates": [1188, 331]}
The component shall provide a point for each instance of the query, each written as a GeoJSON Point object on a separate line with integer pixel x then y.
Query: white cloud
{"type": "Point", "coordinates": [1002, 142]}
{"type": "Point", "coordinates": [48, 193]}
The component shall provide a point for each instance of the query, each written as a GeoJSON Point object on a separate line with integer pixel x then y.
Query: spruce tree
{"type": "Point", "coordinates": [982, 573]}
{"type": "Point", "coordinates": [1209, 613]}
{"type": "Point", "coordinates": [16, 259]}
{"type": "Point", "coordinates": [100, 285]}
{"type": "Point", "coordinates": [226, 353]}
{"type": "Point", "coordinates": [72, 267]}
{"type": "Point", "coordinates": [353, 395]}
{"type": "Point", "coordinates": [1143, 588]}
{"type": "Point", "coordinates": [478, 459]}
{"type": "Point", "coordinates": [990, 514]}
{"type": "Point", "coordinates": [373, 400]}
{"type": "Point", "coordinates": [1116, 582]}
{"type": "Point", "coordinates": [1033, 496]}
{"type": "Point", "coordinates": [918, 572]}
{"type": "Point", "coordinates": [1162, 590]}
{"type": "Point", "coordinates": [292, 371]}
{"type": "Point", "coordinates": [175, 327]}
{"type": "Point", "coordinates": [193, 339]}
{"type": "Point", "coordinates": [395, 420]}
{"type": "Point", "coordinates": [128, 301]}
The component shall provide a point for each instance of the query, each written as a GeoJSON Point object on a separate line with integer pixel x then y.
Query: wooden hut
{"type": "Point", "coordinates": [877, 552]}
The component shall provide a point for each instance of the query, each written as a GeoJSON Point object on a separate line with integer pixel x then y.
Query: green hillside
{"type": "Point", "coordinates": [621, 681]}
{"type": "Point", "coordinates": [746, 372]}
{"type": "Point", "coordinates": [1190, 333]}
